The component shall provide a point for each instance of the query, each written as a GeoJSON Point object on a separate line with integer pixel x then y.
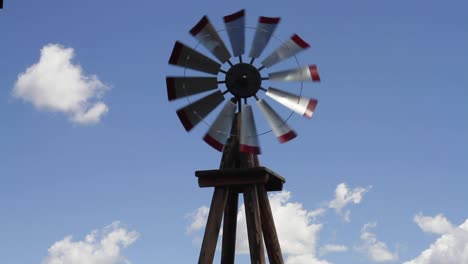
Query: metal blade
{"type": "Point", "coordinates": [220, 130]}
{"type": "Point", "coordinates": [184, 56]}
{"type": "Point", "coordinates": [265, 28]}
{"type": "Point", "coordinates": [299, 104]}
{"type": "Point", "coordinates": [235, 26]}
{"type": "Point", "coordinates": [193, 113]}
{"type": "Point", "coordinates": [179, 87]}
{"type": "Point", "coordinates": [205, 32]}
{"type": "Point", "coordinates": [288, 49]}
{"type": "Point", "coordinates": [307, 73]}
{"type": "Point", "coordinates": [248, 132]}
{"type": "Point", "coordinates": [282, 131]}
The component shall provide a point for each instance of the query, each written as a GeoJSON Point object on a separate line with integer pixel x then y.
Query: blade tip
{"type": "Point", "coordinates": [176, 51]}
{"type": "Point", "coordinates": [235, 16]}
{"type": "Point", "coordinates": [310, 108]}
{"type": "Point", "coordinates": [250, 149]}
{"type": "Point", "coordinates": [199, 26]}
{"type": "Point", "coordinates": [287, 137]}
{"type": "Point", "coordinates": [170, 83]}
{"type": "Point", "coordinates": [213, 142]}
{"type": "Point", "coordinates": [314, 73]}
{"type": "Point", "coordinates": [184, 120]}
{"type": "Point", "coordinates": [269, 20]}
{"type": "Point", "coordinates": [299, 41]}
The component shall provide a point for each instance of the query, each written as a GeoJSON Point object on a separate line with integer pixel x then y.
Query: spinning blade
{"type": "Point", "coordinates": [205, 32]}
{"type": "Point", "coordinates": [235, 26]}
{"type": "Point", "coordinates": [179, 87]}
{"type": "Point", "coordinates": [308, 73]}
{"type": "Point", "coordinates": [288, 49]}
{"type": "Point", "coordinates": [248, 134]}
{"type": "Point", "coordinates": [219, 131]}
{"type": "Point", "coordinates": [265, 28]}
{"type": "Point", "coordinates": [186, 57]}
{"type": "Point", "coordinates": [279, 127]}
{"type": "Point", "coordinates": [299, 104]}
{"type": "Point", "coordinates": [193, 113]}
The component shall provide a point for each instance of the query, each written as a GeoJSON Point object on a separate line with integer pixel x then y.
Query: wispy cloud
{"type": "Point", "coordinates": [375, 249]}
{"type": "Point", "coordinates": [345, 196]}
{"type": "Point", "coordinates": [99, 247]}
{"type": "Point", "coordinates": [332, 248]}
{"type": "Point", "coordinates": [450, 248]}
{"type": "Point", "coordinates": [438, 224]}
{"type": "Point", "coordinates": [56, 84]}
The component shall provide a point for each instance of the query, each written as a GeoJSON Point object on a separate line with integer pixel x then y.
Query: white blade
{"type": "Point", "coordinates": [235, 26]}
{"type": "Point", "coordinates": [288, 49]}
{"type": "Point", "coordinates": [308, 73]}
{"type": "Point", "coordinates": [299, 104]}
{"type": "Point", "coordinates": [248, 132]}
{"type": "Point", "coordinates": [265, 28]}
{"type": "Point", "coordinates": [279, 127]}
{"type": "Point", "coordinates": [220, 130]}
{"type": "Point", "coordinates": [179, 87]}
{"type": "Point", "coordinates": [184, 56]}
{"type": "Point", "coordinates": [193, 113]}
{"type": "Point", "coordinates": [205, 32]}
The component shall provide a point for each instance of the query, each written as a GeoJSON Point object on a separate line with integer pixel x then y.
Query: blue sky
{"type": "Point", "coordinates": [391, 124]}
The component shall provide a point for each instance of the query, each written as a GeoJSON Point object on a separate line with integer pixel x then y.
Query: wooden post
{"type": "Point", "coordinates": [228, 251]}
{"type": "Point", "coordinates": [268, 227]}
{"type": "Point", "coordinates": [213, 225]}
{"type": "Point", "coordinates": [254, 226]}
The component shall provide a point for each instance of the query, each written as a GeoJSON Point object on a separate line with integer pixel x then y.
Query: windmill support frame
{"type": "Point", "coordinates": [240, 173]}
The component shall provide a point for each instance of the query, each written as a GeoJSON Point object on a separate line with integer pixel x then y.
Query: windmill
{"type": "Point", "coordinates": [234, 131]}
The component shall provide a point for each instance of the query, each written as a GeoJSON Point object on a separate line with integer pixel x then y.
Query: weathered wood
{"type": "Point", "coordinates": [268, 227]}
{"type": "Point", "coordinates": [241, 176]}
{"type": "Point", "coordinates": [229, 228]}
{"type": "Point", "coordinates": [213, 226]}
{"type": "Point", "coordinates": [231, 181]}
{"type": "Point", "coordinates": [254, 228]}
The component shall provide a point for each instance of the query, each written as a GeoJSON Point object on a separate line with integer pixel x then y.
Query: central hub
{"type": "Point", "coordinates": [243, 80]}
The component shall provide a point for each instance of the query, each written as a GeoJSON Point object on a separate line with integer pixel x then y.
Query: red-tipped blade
{"type": "Point", "coordinates": [307, 73]}
{"type": "Point", "coordinates": [265, 28]}
{"type": "Point", "coordinates": [184, 56]}
{"type": "Point", "coordinates": [235, 26]}
{"type": "Point", "coordinates": [179, 87]}
{"type": "Point", "coordinates": [220, 130]}
{"type": "Point", "coordinates": [299, 104]}
{"type": "Point", "coordinates": [205, 32]}
{"type": "Point", "coordinates": [248, 132]}
{"type": "Point", "coordinates": [288, 49]}
{"type": "Point", "coordinates": [279, 127]}
{"type": "Point", "coordinates": [193, 113]}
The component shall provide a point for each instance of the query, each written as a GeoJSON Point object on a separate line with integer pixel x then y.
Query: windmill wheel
{"type": "Point", "coordinates": [242, 80]}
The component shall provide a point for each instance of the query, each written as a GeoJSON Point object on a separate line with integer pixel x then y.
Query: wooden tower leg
{"type": "Point", "coordinates": [268, 227]}
{"type": "Point", "coordinates": [229, 228]}
{"type": "Point", "coordinates": [254, 229]}
{"type": "Point", "coordinates": [213, 225]}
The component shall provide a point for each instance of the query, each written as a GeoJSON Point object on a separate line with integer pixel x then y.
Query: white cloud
{"type": "Point", "coordinates": [98, 247]}
{"type": "Point", "coordinates": [438, 224]}
{"type": "Point", "coordinates": [56, 84]}
{"type": "Point", "coordinates": [297, 231]}
{"type": "Point", "coordinates": [345, 196]}
{"type": "Point", "coordinates": [450, 248]}
{"type": "Point", "coordinates": [198, 219]}
{"type": "Point", "coordinates": [332, 248]}
{"type": "Point", "coordinates": [376, 250]}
